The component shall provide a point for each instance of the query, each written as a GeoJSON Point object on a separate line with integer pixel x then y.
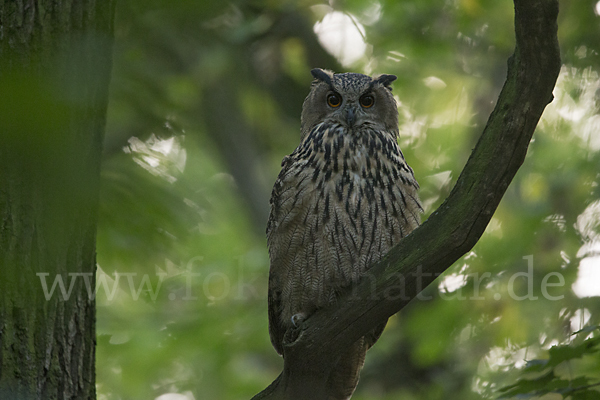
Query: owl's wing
{"type": "Point", "coordinates": [288, 237]}
{"type": "Point", "coordinates": [274, 240]}
{"type": "Point", "coordinates": [276, 329]}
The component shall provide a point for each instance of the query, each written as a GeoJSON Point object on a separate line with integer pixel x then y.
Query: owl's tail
{"type": "Point", "coordinates": [343, 380]}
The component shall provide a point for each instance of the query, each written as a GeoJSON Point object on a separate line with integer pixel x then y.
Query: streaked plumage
{"type": "Point", "coordinates": [342, 200]}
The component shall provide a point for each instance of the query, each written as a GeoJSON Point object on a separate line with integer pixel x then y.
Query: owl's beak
{"type": "Point", "coordinates": [350, 116]}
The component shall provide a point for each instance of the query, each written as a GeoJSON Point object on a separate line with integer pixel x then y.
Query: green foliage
{"type": "Point", "coordinates": [548, 381]}
{"type": "Point", "coordinates": [184, 193]}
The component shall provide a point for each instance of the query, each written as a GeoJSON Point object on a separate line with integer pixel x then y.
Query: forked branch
{"type": "Point", "coordinates": [452, 230]}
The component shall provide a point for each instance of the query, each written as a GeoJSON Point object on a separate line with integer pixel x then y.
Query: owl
{"type": "Point", "coordinates": [342, 200]}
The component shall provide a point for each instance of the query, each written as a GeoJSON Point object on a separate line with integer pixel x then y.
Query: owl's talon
{"type": "Point", "coordinates": [294, 331]}
{"type": "Point", "coordinates": [297, 319]}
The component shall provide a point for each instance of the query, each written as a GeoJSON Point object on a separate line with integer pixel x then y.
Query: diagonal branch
{"type": "Point", "coordinates": [449, 232]}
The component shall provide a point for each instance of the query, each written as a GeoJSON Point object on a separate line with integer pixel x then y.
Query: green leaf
{"type": "Point", "coordinates": [587, 329]}
{"type": "Point", "coordinates": [535, 366]}
{"type": "Point", "coordinates": [559, 354]}
{"type": "Point", "coordinates": [528, 387]}
{"type": "Point", "coordinates": [588, 394]}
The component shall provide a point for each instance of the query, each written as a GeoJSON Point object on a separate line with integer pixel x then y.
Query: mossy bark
{"type": "Point", "coordinates": [55, 60]}
{"type": "Point", "coordinates": [449, 232]}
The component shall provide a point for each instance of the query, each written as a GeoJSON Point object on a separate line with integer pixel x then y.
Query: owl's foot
{"type": "Point", "coordinates": [297, 319]}
{"type": "Point", "coordinates": [294, 331]}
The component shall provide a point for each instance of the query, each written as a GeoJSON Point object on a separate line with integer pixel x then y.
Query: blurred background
{"type": "Point", "coordinates": [205, 102]}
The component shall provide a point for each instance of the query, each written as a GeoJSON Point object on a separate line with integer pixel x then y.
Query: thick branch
{"type": "Point", "coordinates": [449, 232]}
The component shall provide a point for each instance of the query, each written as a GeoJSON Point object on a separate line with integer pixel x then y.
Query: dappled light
{"type": "Point", "coordinates": [205, 102]}
{"type": "Point", "coordinates": [342, 36]}
{"type": "Point", "coordinates": [588, 226]}
{"type": "Point", "coordinates": [161, 157]}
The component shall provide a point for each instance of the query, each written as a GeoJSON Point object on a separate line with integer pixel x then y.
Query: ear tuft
{"type": "Point", "coordinates": [386, 80]}
{"type": "Point", "coordinates": [322, 75]}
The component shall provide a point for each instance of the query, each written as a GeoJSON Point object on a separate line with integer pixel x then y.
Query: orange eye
{"type": "Point", "coordinates": [367, 101]}
{"type": "Point", "coordinates": [334, 100]}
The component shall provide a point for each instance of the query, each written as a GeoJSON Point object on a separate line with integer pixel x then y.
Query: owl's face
{"type": "Point", "coordinates": [351, 100]}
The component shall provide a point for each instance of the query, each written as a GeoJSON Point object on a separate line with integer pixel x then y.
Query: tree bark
{"type": "Point", "coordinates": [449, 232]}
{"type": "Point", "coordinates": [55, 60]}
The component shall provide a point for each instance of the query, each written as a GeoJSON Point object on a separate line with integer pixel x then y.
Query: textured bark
{"type": "Point", "coordinates": [55, 59]}
{"type": "Point", "coordinates": [452, 230]}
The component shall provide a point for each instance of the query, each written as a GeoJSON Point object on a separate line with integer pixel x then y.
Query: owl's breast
{"type": "Point", "coordinates": [343, 200]}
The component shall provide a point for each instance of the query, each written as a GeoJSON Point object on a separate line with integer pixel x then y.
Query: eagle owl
{"type": "Point", "coordinates": [342, 200]}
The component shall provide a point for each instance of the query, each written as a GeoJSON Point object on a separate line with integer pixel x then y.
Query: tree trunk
{"type": "Point", "coordinates": [55, 60]}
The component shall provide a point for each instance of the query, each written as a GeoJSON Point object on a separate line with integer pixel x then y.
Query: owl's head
{"type": "Point", "coordinates": [352, 100]}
